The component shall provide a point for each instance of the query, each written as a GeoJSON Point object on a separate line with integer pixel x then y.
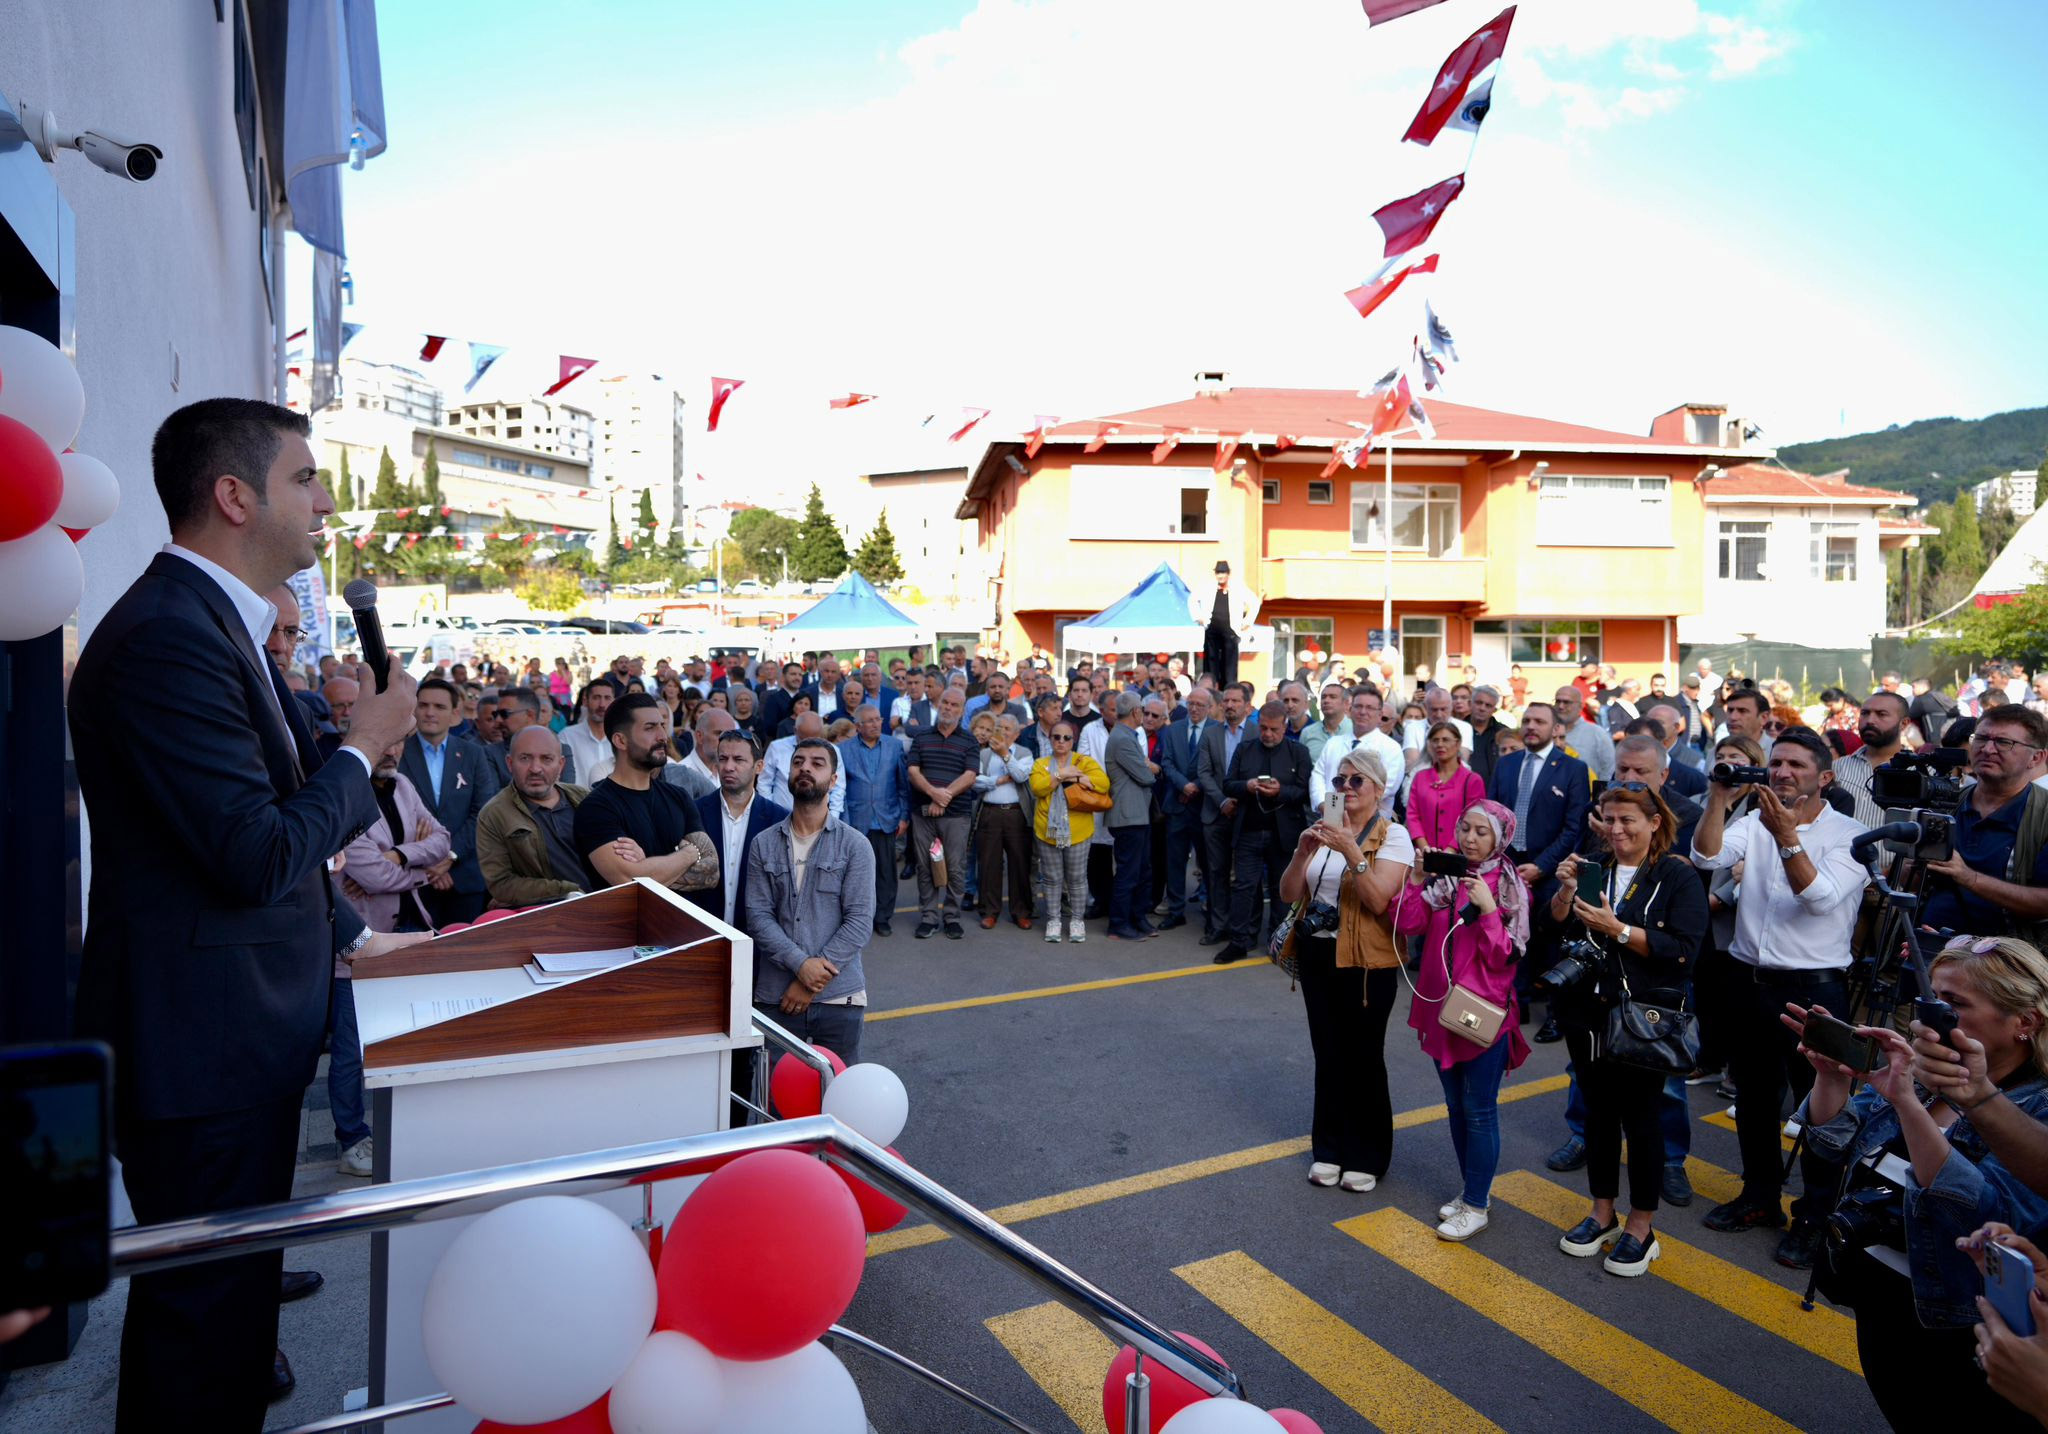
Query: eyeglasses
{"type": "Point", "coordinates": [1348, 781]}
{"type": "Point", "coordinates": [1981, 740]}
{"type": "Point", "coordinates": [294, 633]}
{"type": "Point", "coordinates": [1058, 738]}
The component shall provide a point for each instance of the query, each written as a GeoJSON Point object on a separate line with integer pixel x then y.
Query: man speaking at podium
{"type": "Point", "coordinates": [212, 925]}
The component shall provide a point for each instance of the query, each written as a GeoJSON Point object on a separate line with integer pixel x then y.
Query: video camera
{"type": "Point", "coordinates": [1916, 779]}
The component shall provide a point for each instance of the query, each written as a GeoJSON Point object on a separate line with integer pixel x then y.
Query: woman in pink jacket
{"type": "Point", "coordinates": [1474, 930]}
{"type": "Point", "coordinates": [1441, 791]}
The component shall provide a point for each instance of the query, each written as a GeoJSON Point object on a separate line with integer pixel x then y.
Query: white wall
{"type": "Point", "coordinates": [166, 267]}
{"type": "Point", "coordinates": [1790, 604]}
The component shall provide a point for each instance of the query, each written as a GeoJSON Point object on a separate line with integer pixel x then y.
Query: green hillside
{"type": "Point", "coordinates": [1962, 450]}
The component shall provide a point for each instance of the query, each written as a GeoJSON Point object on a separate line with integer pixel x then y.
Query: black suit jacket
{"type": "Point", "coordinates": [1557, 805]}
{"type": "Point", "coordinates": [209, 949]}
{"type": "Point", "coordinates": [1290, 763]}
{"type": "Point", "coordinates": [761, 816]}
{"type": "Point", "coordinates": [468, 782]}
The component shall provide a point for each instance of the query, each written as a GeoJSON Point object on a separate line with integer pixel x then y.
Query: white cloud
{"type": "Point", "coordinates": [1740, 47]}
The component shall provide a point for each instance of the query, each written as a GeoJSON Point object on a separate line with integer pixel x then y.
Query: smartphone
{"type": "Point", "coordinates": [1592, 881]}
{"type": "Point", "coordinates": [2008, 1279]}
{"type": "Point", "coordinates": [56, 1104]}
{"type": "Point", "coordinates": [1333, 809]}
{"type": "Point", "coordinates": [1840, 1041]}
{"type": "Point", "coordinates": [1446, 863]}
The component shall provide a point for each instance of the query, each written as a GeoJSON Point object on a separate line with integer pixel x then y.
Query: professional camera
{"type": "Point", "coordinates": [1937, 833]}
{"type": "Point", "coordinates": [1317, 918]}
{"type": "Point", "coordinates": [1576, 960]}
{"type": "Point", "coordinates": [1730, 774]}
{"type": "Point", "coordinates": [1916, 779]}
{"type": "Point", "coordinates": [1873, 1215]}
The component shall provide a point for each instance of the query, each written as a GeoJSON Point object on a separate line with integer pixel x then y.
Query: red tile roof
{"type": "Point", "coordinates": [1752, 482]}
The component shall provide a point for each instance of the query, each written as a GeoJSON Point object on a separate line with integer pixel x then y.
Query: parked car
{"type": "Point", "coordinates": [751, 586]}
{"type": "Point", "coordinates": [606, 624]}
{"type": "Point", "coordinates": [708, 585]}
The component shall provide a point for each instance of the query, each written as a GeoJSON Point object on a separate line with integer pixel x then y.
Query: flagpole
{"type": "Point", "coordinates": [1387, 559]}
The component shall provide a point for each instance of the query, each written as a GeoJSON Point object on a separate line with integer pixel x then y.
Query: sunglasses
{"type": "Point", "coordinates": [1975, 945]}
{"type": "Point", "coordinates": [1058, 738]}
{"type": "Point", "coordinates": [1349, 781]}
{"type": "Point", "coordinates": [1774, 726]}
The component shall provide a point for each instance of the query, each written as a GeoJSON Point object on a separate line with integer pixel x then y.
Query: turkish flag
{"type": "Point", "coordinates": [721, 390]}
{"type": "Point", "coordinates": [1380, 287]}
{"type": "Point", "coordinates": [972, 417]}
{"type": "Point", "coordinates": [1407, 223]}
{"type": "Point", "coordinates": [853, 400]}
{"type": "Point", "coordinates": [571, 370]}
{"type": "Point", "coordinates": [1035, 440]}
{"type": "Point", "coordinates": [431, 349]}
{"type": "Point", "coordinates": [1167, 444]}
{"type": "Point", "coordinates": [1336, 462]}
{"type": "Point", "coordinates": [1392, 409]}
{"type": "Point", "coordinates": [1378, 12]}
{"type": "Point", "coordinates": [1103, 433]}
{"type": "Point", "coordinates": [1481, 48]}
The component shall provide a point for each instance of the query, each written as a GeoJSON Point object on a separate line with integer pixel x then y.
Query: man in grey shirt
{"type": "Point", "coordinates": [1587, 739]}
{"type": "Point", "coordinates": [1131, 777]}
{"type": "Point", "coordinates": [811, 910]}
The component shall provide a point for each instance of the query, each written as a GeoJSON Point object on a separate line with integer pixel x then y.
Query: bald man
{"type": "Point", "coordinates": [525, 835]}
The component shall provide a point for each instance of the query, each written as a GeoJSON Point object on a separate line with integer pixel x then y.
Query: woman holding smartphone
{"type": "Point", "coordinates": [1648, 922]}
{"type": "Point", "coordinates": [1478, 955]}
{"type": "Point", "coordinates": [1350, 871]}
{"type": "Point", "coordinates": [1914, 1336]}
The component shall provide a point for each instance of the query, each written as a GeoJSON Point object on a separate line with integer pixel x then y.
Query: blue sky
{"type": "Point", "coordinates": [1819, 213]}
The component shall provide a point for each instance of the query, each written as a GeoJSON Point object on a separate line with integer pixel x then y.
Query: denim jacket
{"type": "Point", "coordinates": [1970, 1188]}
{"type": "Point", "coordinates": [833, 917]}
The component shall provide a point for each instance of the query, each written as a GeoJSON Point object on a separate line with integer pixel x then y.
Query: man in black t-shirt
{"type": "Point", "coordinates": [633, 824]}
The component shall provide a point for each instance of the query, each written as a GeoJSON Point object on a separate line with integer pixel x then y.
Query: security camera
{"type": "Point", "coordinates": [129, 159]}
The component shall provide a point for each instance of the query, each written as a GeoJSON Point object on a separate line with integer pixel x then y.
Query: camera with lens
{"type": "Point", "coordinates": [1872, 1215]}
{"type": "Point", "coordinates": [1919, 779]}
{"type": "Point", "coordinates": [1732, 774]}
{"type": "Point", "coordinates": [1316, 919]}
{"type": "Point", "coordinates": [1576, 960]}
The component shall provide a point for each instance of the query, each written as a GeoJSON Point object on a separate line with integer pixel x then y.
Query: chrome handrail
{"type": "Point", "coordinates": [313, 1219]}
{"type": "Point", "coordinates": [778, 1034]}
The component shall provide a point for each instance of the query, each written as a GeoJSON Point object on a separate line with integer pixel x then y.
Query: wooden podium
{"type": "Point", "coordinates": [470, 1062]}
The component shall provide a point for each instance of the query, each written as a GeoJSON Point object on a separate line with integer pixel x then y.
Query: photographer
{"type": "Point", "coordinates": [1881, 725]}
{"type": "Point", "coordinates": [1646, 930]}
{"type": "Point", "coordinates": [1996, 880]}
{"type": "Point", "coordinates": [1797, 906]}
{"type": "Point", "coordinates": [1914, 1337]}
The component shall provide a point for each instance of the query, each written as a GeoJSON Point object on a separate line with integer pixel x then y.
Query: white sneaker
{"type": "Point", "coordinates": [1052, 931]}
{"type": "Point", "coordinates": [1323, 1173]}
{"type": "Point", "coordinates": [356, 1159]}
{"type": "Point", "coordinates": [1358, 1182]}
{"type": "Point", "coordinates": [1462, 1225]}
{"type": "Point", "coordinates": [1451, 1207]}
{"type": "Point", "coordinates": [1077, 931]}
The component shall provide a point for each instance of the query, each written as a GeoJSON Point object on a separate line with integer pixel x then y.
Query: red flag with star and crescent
{"type": "Point", "coordinates": [853, 400]}
{"type": "Point", "coordinates": [721, 390]}
{"type": "Point", "coordinates": [431, 349]}
{"type": "Point", "coordinates": [971, 416]}
{"type": "Point", "coordinates": [1035, 439]}
{"type": "Point", "coordinates": [1482, 48]}
{"type": "Point", "coordinates": [571, 370]}
{"type": "Point", "coordinates": [1408, 223]}
{"type": "Point", "coordinates": [1391, 411]}
{"type": "Point", "coordinates": [1380, 287]}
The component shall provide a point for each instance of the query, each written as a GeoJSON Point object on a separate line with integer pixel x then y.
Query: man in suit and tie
{"type": "Point", "coordinates": [733, 816]}
{"type": "Point", "coordinates": [213, 926]}
{"type": "Point", "coordinates": [453, 777]}
{"type": "Point", "coordinates": [1213, 756]}
{"type": "Point", "coordinates": [1549, 793]}
{"type": "Point", "coordinates": [1180, 800]}
{"type": "Point", "coordinates": [824, 690]}
{"type": "Point", "coordinates": [1132, 775]}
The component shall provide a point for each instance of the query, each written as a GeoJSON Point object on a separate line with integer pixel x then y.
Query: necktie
{"type": "Point", "coordinates": [1524, 790]}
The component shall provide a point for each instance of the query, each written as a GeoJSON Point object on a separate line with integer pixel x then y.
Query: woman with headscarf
{"type": "Point", "coordinates": [1478, 956]}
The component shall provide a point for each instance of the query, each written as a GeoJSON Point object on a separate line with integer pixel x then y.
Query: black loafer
{"type": "Point", "coordinates": [282, 1380]}
{"type": "Point", "coordinates": [297, 1284]}
{"type": "Point", "coordinates": [1569, 1156]}
{"type": "Point", "coordinates": [1548, 1033]}
{"type": "Point", "coordinates": [882, 929]}
{"type": "Point", "coordinates": [1230, 953]}
{"type": "Point", "coordinates": [1677, 1187]}
{"type": "Point", "coordinates": [1587, 1238]}
{"type": "Point", "coordinates": [1801, 1245]}
{"type": "Point", "coordinates": [925, 928]}
{"type": "Point", "coordinates": [1212, 938]}
{"type": "Point", "coordinates": [1630, 1257]}
{"type": "Point", "coordinates": [1172, 921]}
{"type": "Point", "coordinates": [1744, 1213]}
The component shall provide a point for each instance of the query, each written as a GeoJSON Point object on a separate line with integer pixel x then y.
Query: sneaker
{"type": "Point", "coordinates": [1052, 930]}
{"type": "Point", "coordinates": [1569, 1156]}
{"type": "Point", "coordinates": [953, 932]}
{"type": "Point", "coordinates": [1358, 1182]}
{"type": "Point", "coordinates": [1801, 1245]}
{"type": "Point", "coordinates": [882, 928]}
{"type": "Point", "coordinates": [1323, 1173]}
{"type": "Point", "coordinates": [1744, 1212]}
{"type": "Point", "coordinates": [1463, 1224]}
{"type": "Point", "coordinates": [1585, 1239]}
{"type": "Point", "coordinates": [1630, 1258]}
{"type": "Point", "coordinates": [1703, 1077]}
{"type": "Point", "coordinates": [1725, 1089]}
{"type": "Point", "coordinates": [1077, 931]}
{"type": "Point", "coordinates": [356, 1160]}
{"type": "Point", "coordinates": [1677, 1187]}
{"type": "Point", "coordinates": [1451, 1207]}
{"type": "Point", "coordinates": [925, 929]}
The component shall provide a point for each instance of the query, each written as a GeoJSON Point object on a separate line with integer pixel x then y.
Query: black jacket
{"type": "Point", "coordinates": [1669, 905]}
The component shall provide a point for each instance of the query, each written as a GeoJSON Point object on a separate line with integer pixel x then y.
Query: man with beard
{"type": "Point", "coordinates": [1881, 723]}
{"type": "Point", "coordinates": [633, 824]}
{"type": "Point", "coordinates": [526, 835]}
{"type": "Point", "coordinates": [810, 894]}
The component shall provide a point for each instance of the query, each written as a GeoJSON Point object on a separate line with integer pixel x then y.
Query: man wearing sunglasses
{"type": "Point", "coordinates": [1996, 881]}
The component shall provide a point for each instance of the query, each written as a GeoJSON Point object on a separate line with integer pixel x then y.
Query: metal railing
{"type": "Point", "coordinates": [317, 1218]}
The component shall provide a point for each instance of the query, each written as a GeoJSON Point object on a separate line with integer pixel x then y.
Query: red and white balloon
{"type": "Point", "coordinates": [49, 496]}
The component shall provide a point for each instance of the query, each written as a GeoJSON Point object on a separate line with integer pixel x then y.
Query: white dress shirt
{"type": "Point", "coordinates": [593, 752]}
{"type": "Point", "coordinates": [1777, 928]}
{"type": "Point", "coordinates": [735, 843]}
{"type": "Point", "coordinates": [1376, 742]}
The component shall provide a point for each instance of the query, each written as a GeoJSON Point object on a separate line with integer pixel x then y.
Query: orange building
{"type": "Point", "coordinates": [1514, 540]}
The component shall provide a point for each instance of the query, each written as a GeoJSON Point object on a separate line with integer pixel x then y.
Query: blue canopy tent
{"type": "Point", "coordinates": [1151, 618]}
{"type": "Point", "coordinates": [852, 615]}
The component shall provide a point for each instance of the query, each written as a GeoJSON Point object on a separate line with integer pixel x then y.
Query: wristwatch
{"type": "Point", "coordinates": [1786, 853]}
{"type": "Point", "coordinates": [1625, 935]}
{"type": "Point", "coordinates": [362, 940]}
{"type": "Point", "coordinates": [1362, 865]}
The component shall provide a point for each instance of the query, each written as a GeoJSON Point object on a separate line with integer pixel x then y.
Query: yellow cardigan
{"type": "Point", "coordinates": [1080, 825]}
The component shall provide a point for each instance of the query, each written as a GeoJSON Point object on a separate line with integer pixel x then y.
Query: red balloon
{"type": "Point", "coordinates": [877, 1211]}
{"type": "Point", "coordinates": [1294, 1421]}
{"type": "Point", "coordinates": [1170, 1393]}
{"type": "Point", "coordinates": [795, 1087]}
{"type": "Point", "coordinates": [453, 927]}
{"type": "Point", "coordinates": [74, 534]}
{"type": "Point", "coordinates": [762, 1258]}
{"type": "Point", "coordinates": [31, 482]}
{"type": "Point", "coordinates": [590, 1419]}
{"type": "Point", "coordinates": [499, 915]}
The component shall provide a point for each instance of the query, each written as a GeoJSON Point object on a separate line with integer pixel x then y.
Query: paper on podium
{"type": "Point", "coordinates": [427, 1013]}
{"type": "Point", "coordinates": [565, 963]}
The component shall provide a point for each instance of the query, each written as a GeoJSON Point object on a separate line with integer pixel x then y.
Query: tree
{"type": "Point", "coordinates": [643, 520]}
{"type": "Point", "coordinates": [876, 561]}
{"type": "Point", "coordinates": [1961, 543]}
{"type": "Point", "coordinates": [430, 482]}
{"type": "Point", "coordinates": [614, 550]}
{"type": "Point", "coordinates": [2016, 629]}
{"type": "Point", "coordinates": [551, 589]}
{"type": "Point", "coordinates": [344, 489]}
{"type": "Point", "coordinates": [820, 551]}
{"type": "Point", "coordinates": [388, 493]}
{"type": "Point", "coordinates": [764, 537]}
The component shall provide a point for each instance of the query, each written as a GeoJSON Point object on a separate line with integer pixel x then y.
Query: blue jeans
{"type": "Point", "coordinates": [836, 1028]}
{"type": "Point", "coordinates": [345, 1066]}
{"type": "Point", "coordinates": [1471, 1091]}
{"type": "Point", "coordinates": [1674, 1116]}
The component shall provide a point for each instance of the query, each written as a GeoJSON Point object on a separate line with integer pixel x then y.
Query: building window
{"type": "Point", "coordinates": [512, 431]}
{"type": "Point", "coordinates": [513, 411]}
{"type": "Point", "coordinates": [1554, 640]}
{"type": "Point", "coordinates": [1294, 637]}
{"type": "Point", "coordinates": [469, 456]}
{"type": "Point", "coordinates": [1321, 491]}
{"type": "Point", "coordinates": [1426, 517]}
{"type": "Point", "coordinates": [1579, 511]}
{"type": "Point", "coordinates": [1138, 504]}
{"type": "Point", "coordinates": [1743, 546]}
{"type": "Point", "coordinates": [540, 470]}
{"type": "Point", "coordinates": [1706, 428]}
{"type": "Point", "coordinates": [1269, 490]}
{"type": "Point", "coordinates": [1833, 548]}
{"type": "Point", "coordinates": [504, 465]}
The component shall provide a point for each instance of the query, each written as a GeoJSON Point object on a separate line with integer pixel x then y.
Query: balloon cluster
{"type": "Point", "coordinates": [49, 496]}
{"type": "Point", "coordinates": [546, 1315]}
{"type": "Point", "coordinates": [1178, 1407]}
{"type": "Point", "coordinates": [868, 1099]}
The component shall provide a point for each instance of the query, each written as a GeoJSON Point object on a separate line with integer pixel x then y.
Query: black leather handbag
{"type": "Point", "coordinates": [1656, 1033]}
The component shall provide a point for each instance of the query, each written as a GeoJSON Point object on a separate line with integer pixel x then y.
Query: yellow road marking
{"type": "Point", "coordinates": [1652, 1381]}
{"type": "Point", "coordinates": [1139, 1184]}
{"type": "Point", "coordinates": [1001, 998]}
{"type": "Point", "coordinates": [1727, 1122]}
{"type": "Point", "coordinates": [1763, 1302]}
{"type": "Point", "coordinates": [1718, 1185]}
{"type": "Point", "coordinates": [1390, 1392]}
{"type": "Point", "coordinates": [1064, 1354]}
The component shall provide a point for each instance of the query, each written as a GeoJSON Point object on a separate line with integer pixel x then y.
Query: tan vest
{"type": "Point", "coordinates": [1364, 939]}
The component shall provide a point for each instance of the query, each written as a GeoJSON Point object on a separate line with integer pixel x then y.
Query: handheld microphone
{"type": "Point", "coordinates": [1864, 847]}
{"type": "Point", "coordinates": [361, 597]}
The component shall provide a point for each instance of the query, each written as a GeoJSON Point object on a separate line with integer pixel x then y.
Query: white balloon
{"type": "Point", "coordinates": [41, 581]}
{"type": "Point", "coordinates": [673, 1386]}
{"type": "Point", "coordinates": [91, 492]}
{"type": "Point", "coordinates": [808, 1392]}
{"type": "Point", "coordinates": [537, 1308]}
{"type": "Point", "coordinates": [1223, 1416]}
{"type": "Point", "coordinates": [871, 1099]}
{"type": "Point", "coordinates": [39, 387]}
